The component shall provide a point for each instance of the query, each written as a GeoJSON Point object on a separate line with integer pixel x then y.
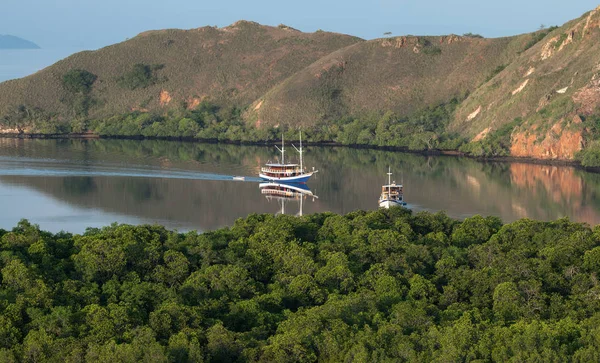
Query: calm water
{"type": "Point", "coordinates": [73, 184]}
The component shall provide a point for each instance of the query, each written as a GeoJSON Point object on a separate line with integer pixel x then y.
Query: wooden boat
{"type": "Point", "coordinates": [391, 194]}
{"type": "Point", "coordinates": [286, 173]}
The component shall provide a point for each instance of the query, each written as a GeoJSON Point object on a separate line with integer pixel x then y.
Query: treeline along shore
{"type": "Point", "coordinates": [274, 138]}
{"type": "Point", "coordinates": [386, 285]}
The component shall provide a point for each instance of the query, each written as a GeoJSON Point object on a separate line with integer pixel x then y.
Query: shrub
{"type": "Point", "coordinates": [590, 156]}
{"type": "Point", "coordinates": [537, 37]}
{"type": "Point", "coordinates": [432, 50]}
{"type": "Point", "coordinates": [140, 76]}
{"type": "Point", "coordinates": [78, 81]}
{"type": "Point", "coordinates": [496, 71]}
{"type": "Point", "coordinates": [78, 84]}
{"type": "Point", "coordinates": [496, 143]}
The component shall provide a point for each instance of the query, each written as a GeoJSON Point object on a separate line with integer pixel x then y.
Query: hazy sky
{"type": "Point", "coordinates": [95, 23]}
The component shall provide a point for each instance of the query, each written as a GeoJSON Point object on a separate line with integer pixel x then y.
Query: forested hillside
{"type": "Point", "coordinates": [386, 285]}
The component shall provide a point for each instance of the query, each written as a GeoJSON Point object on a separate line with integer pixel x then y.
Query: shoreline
{"type": "Point", "coordinates": [432, 152]}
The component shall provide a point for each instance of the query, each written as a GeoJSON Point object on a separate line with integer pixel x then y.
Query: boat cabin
{"type": "Point", "coordinates": [282, 170]}
{"type": "Point", "coordinates": [391, 192]}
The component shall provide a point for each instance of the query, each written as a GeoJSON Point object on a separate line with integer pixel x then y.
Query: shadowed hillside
{"type": "Point", "coordinates": [402, 74]}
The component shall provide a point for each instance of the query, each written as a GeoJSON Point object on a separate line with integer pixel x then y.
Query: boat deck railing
{"type": "Point", "coordinates": [280, 171]}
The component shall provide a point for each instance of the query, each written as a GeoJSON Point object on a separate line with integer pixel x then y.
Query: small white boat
{"type": "Point", "coordinates": [239, 178]}
{"type": "Point", "coordinates": [286, 173]}
{"type": "Point", "coordinates": [392, 195]}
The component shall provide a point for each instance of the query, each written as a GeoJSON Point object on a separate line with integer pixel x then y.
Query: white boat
{"type": "Point", "coordinates": [391, 194]}
{"type": "Point", "coordinates": [286, 173]}
{"type": "Point", "coordinates": [239, 178]}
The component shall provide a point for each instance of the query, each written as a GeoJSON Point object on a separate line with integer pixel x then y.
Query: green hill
{"type": "Point", "coordinates": [230, 66]}
{"type": "Point", "coordinates": [402, 74]}
{"type": "Point", "coordinates": [532, 95]}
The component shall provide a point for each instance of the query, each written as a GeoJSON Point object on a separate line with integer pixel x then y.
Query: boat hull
{"type": "Point", "coordinates": [391, 203]}
{"type": "Point", "coordinates": [290, 179]}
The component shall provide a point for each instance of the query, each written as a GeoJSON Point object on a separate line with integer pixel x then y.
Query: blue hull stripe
{"type": "Point", "coordinates": [300, 179]}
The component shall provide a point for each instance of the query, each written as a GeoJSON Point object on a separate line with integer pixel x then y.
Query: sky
{"type": "Point", "coordinates": [90, 24]}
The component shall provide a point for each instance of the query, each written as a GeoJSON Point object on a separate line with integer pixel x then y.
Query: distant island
{"type": "Point", "coordinates": [12, 42]}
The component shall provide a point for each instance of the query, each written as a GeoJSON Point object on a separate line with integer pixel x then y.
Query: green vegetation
{"type": "Point", "coordinates": [421, 131]}
{"type": "Point", "coordinates": [432, 50]}
{"type": "Point", "coordinates": [561, 40]}
{"type": "Point", "coordinates": [496, 71]}
{"type": "Point", "coordinates": [78, 81]}
{"type": "Point", "coordinates": [386, 285]}
{"type": "Point", "coordinates": [207, 121]}
{"type": "Point", "coordinates": [23, 116]}
{"type": "Point", "coordinates": [538, 36]}
{"type": "Point", "coordinates": [497, 143]}
{"type": "Point", "coordinates": [424, 130]}
{"type": "Point", "coordinates": [472, 35]}
{"type": "Point", "coordinates": [140, 76]}
{"type": "Point", "coordinates": [590, 156]}
{"type": "Point", "coordinates": [78, 84]}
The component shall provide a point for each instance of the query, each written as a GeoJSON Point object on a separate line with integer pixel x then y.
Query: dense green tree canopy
{"type": "Point", "coordinates": [78, 81]}
{"type": "Point", "coordinates": [387, 285]}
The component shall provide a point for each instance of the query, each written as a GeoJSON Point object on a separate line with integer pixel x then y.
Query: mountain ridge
{"type": "Point", "coordinates": [486, 96]}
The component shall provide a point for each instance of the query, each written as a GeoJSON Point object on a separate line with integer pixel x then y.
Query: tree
{"type": "Point", "coordinates": [507, 302]}
{"type": "Point", "coordinates": [140, 76]}
{"type": "Point", "coordinates": [475, 230]}
{"type": "Point", "coordinates": [184, 348]}
{"type": "Point", "coordinates": [336, 274]}
{"type": "Point", "coordinates": [78, 81]}
{"type": "Point", "coordinates": [99, 259]}
{"type": "Point", "coordinates": [175, 269]}
{"type": "Point", "coordinates": [222, 345]}
{"type": "Point", "coordinates": [78, 84]}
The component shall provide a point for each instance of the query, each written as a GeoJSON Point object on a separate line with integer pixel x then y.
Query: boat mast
{"type": "Point", "coordinates": [389, 183]}
{"type": "Point", "coordinates": [300, 151]}
{"type": "Point", "coordinates": [282, 150]}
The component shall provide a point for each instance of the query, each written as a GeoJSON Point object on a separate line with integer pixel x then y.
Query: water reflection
{"type": "Point", "coordinates": [284, 193]}
{"type": "Point", "coordinates": [187, 185]}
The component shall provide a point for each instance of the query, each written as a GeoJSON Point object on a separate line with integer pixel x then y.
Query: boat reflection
{"type": "Point", "coordinates": [284, 193]}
